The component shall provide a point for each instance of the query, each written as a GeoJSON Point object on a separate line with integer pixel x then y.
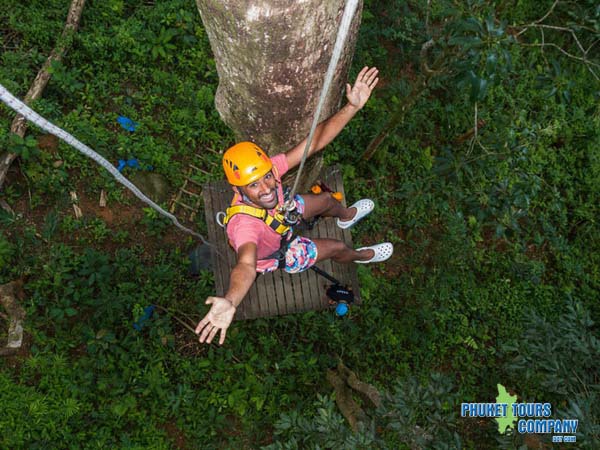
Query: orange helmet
{"type": "Point", "coordinates": [245, 163]}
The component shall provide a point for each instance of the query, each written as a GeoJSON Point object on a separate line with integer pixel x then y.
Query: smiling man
{"type": "Point", "coordinates": [258, 233]}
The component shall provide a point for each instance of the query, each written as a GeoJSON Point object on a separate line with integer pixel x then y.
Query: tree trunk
{"type": "Point", "coordinates": [271, 57]}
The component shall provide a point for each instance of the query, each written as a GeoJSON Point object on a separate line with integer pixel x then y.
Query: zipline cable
{"type": "Point", "coordinates": [21, 108]}
{"type": "Point", "coordinates": [340, 41]}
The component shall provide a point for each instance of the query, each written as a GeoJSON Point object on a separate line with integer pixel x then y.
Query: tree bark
{"type": "Point", "coordinates": [9, 294]}
{"type": "Point", "coordinates": [19, 124]}
{"type": "Point", "coordinates": [345, 383]}
{"type": "Point", "coordinates": [271, 57]}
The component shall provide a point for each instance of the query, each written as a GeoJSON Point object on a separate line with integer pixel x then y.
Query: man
{"type": "Point", "coordinates": [256, 237]}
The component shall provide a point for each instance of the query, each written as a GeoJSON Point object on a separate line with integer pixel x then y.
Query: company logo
{"type": "Point", "coordinates": [529, 417]}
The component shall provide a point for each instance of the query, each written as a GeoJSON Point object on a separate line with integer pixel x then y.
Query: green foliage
{"type": "Point", "coordinates": [6, 251]}
{"type": "Point", "coordinates": [488, 224]}
{"type": "Point", "coordinates": [324, 428]}
{"type": "Point", "coordinates": [413, 415]}
{"type": "Point", "coordinates": [25, 148]}
{"type": "Point", "coordinates": [561, 356]}
{"type": "Point", "coordinates": [423, 414]}
{"type": "Point", "coordinates": [155, 223]}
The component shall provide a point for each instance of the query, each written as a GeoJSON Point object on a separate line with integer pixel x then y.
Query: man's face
{"type": "Point", "coordinates": [262, 192]}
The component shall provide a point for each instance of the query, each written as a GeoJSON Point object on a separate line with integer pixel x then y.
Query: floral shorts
{"type": "Point", "coordinates": [300, 255]}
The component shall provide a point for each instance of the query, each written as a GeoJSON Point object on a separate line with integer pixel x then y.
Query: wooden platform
{"type": "Point", "coordinates": [278, 293]}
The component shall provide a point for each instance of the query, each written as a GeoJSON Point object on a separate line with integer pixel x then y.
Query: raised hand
{"type": "Point", "coordinates": [219, 317]}
{"type": "Point", "coordinates": [366, 80]}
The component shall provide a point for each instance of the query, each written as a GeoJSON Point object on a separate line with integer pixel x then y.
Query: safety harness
{"type": "Point", "coordinates": [276, 222]}
{"type": "Point", "coordinates": [282, 222]}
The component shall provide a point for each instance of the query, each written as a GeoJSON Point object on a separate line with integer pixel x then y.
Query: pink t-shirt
{"type": "Point", "coordinates": [243, 228]}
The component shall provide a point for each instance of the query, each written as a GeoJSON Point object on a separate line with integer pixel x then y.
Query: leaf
{"type": "Point", "coordinates": [489, 24]}
{"type": "Point", "coordinates": [101, 333]}
{"type": "Point", "coordinates": [466, 41]}
{"type": "Point", "coordinates": [478, 87]}
{"type": "Point", "coordinates": [471, 24]}
{"type": "Point", "coordinates": [203, 363]}
{"type": "Point", "coordinates": [491, 63]}
{"type": "Point", "coordinates": [510, 419]}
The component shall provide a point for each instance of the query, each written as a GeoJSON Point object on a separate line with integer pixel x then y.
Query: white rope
{"type": "Point", "coordinates": [14, 103]}
{"type": "Point", "coordinates": [340, 41]}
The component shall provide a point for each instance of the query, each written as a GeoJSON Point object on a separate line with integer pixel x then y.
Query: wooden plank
{"type": "Point", "coordinates": [277, 293]}
{"type": "Point", "coordinates": [214, 238]}
{"type": "Point", "coordinates": [312, 286]}
{"type": "Point", "coordinates": [288, 287]}
{"type": "Point", "coordinates": [226, 256]}
{"type": "Point", "coordinates": [229, 259]}
{"type": "Point", "coordinates": [315, 283]}
{"type": "Point", "coordinates": [250, 305]}
{"type": "Point", "coordinates": [295, 303]}
{"type": "Point", "coordinates": [264, 291]}
{"type": "Point", "coordinates": [304, 299]}
{"type": "Point", "coordinates": [280, 298]}
{"type": "Point", "coordinates": [351, 275]}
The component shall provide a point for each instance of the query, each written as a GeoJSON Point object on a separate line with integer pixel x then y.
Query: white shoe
{"type": "Point", "coordinates": [363, 208]}
{"type": "Point", "coordinates": [382, 252]}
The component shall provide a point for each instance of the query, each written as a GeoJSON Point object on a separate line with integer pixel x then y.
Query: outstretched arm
{"type": "Point", "coordinates": [221, 312]}
{"type": "Point", "coordinates": [327, 130]}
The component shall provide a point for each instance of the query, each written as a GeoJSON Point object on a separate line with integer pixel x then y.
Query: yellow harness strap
{"type": "Point", "coordinates": [274, 222]}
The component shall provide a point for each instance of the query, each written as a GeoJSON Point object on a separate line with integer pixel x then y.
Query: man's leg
{"type": "Point", "coordinates": [325, 205]}
{"type": "Point", "coordinates": [340, 252]}
{"type": "Point", "coordinates": [303, 253]}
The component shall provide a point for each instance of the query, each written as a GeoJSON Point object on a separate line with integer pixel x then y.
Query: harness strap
{"type": "Point", "coordinates": [273, 222]}
{"type": "Point", "coordinates": [279, 254]}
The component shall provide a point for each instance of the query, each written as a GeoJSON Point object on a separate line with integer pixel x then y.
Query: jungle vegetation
{"type": "Point", "coordinates": [481, 147]}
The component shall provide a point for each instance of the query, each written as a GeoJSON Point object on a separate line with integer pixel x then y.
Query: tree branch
{"type": "Point", "coordinates": [568, 30]}
{"type": "Point", "coordinates": [570, 55]}
{"type": "Point", "coordinates": [540, 20]}
{"type": "Point", "coordinates": [541, 26]}
{"type": "Point", "coordinates": [19, 124]}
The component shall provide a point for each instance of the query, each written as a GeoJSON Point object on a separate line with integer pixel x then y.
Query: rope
{"type": "Point", "coordinates": [340, 41]}
{"type": "Point", "coordinates": [21, 108]}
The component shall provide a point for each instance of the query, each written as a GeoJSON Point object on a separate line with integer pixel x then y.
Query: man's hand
{"type": "Point", "coordinates": [366, 80]}
{"type": "Point", "coordinates": [219, 317]}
